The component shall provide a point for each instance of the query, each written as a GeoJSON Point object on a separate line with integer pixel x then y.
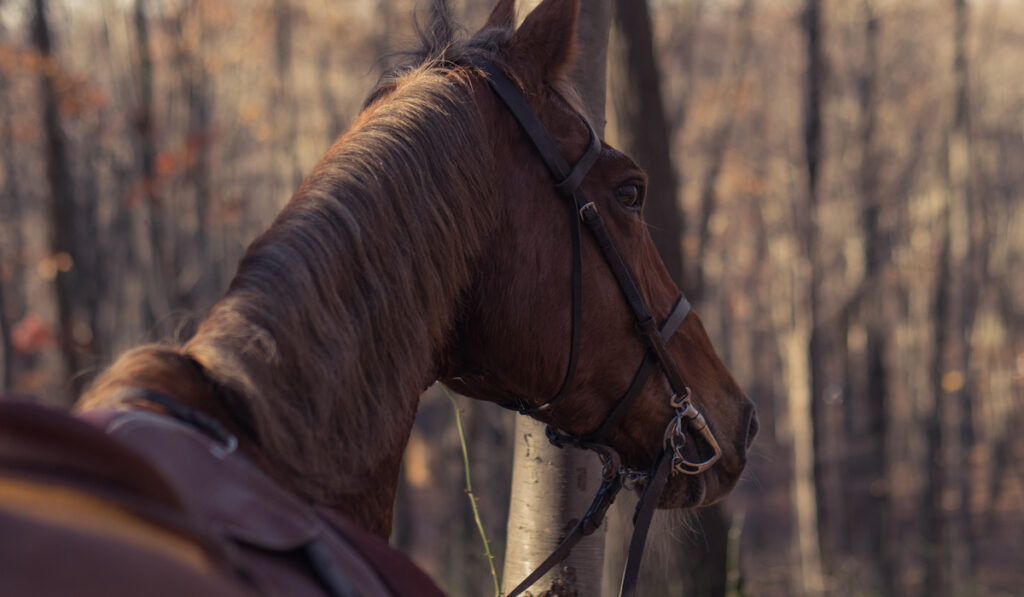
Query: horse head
{"type": "Point", "coordinates": [516, 339]}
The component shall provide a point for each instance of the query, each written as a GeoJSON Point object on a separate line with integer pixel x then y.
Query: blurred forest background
{"type": "Point", "coordinates": [850, 174]}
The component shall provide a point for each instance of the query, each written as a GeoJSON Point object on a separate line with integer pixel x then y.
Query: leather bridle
{"type": "Point", "coordinates": [671, 459]}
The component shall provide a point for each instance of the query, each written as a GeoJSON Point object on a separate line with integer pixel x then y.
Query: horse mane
{"type": "Point", "coordinates": [442, 44]}
{"type": "Point", "coordinates": [340, 310]}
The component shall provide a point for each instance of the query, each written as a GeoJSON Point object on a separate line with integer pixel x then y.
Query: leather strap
{"type": "Point", "coordinates": [527, 118]}
{"type": "Point", "coordinates": [642, 523]}
{"type": "Point", "coordinates": [610, 488]}
{"type": "Point", "coordinates": [627, 283]}
{"type": "Point", "coordinates": [571, 184]}
{"type": "Point", "coordinates": [570, 180]}
{"type": "Point", "coordinates": [643, 373]}
{"type": "Point", "coordinates": [189, 416]}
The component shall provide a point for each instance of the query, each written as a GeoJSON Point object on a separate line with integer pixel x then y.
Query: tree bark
{"type": "Point", "coordinates": [187, 242]}
{"type": "Point", "coordinates": [799, 351]}
{"type": "Point", "coordinates": [641, 129]}
{"type": "Point", "coordinates": [6, 349]}
{"type": "Point", "coordinates": [146, 219]}
{"type": "Point", "coordinates": [552, 487]}
{"type": "Point", "coordinates": [61, 229]}
{"type": "Point", "coordinates": [731, 89]}
{"type": "Point", "coordinates": [640, 126]}
{"type": "Point", "coordinates": [866, 408]}
{"type": "Point", "coordinates": [947, 559]}
{"type": "Point", "coordinates": [10, 217]}
{"type": "Point", "coordinates": [286, 115]}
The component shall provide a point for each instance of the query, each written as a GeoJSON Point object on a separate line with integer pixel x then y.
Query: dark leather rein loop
{"type": "Point", "coordinates": [671, 458]}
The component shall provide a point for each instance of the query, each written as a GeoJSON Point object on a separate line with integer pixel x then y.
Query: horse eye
{"type": "Point", "coordinates": [631, 195]}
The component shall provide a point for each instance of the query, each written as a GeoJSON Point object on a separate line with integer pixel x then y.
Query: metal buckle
{"type": "Point", "coordinates": [678, 401]}
{"type": "Point", "coordinates": [591, 206]}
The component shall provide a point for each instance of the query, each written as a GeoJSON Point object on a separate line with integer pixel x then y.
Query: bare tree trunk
{"type": "Point", "coordinates": [552, 487]}
{"type": "Point", "coordinates": [146, 220]}
{"type": "Point", "coordinates": [9, 215]}
{"type": "Point", "coordinates": [285, 112]}
{"type": "Point", "coordinates": [641, 128]}
{"type": "Point", "coordinates": [799, 355]}
{"type": "Point", "coordinates": [186, 243]}
{"type": "Point", "coordinates": [6, 348]}
{"type": "Point", "coordinates": [331, 105]}
{"type": "Point", "coordinates": [866, 408]}
{"type": "Point", "coordinates": [946, 505]}
{"type": "Point", "coordinates": [61, 231]}
{"type": "Point", "coordinates": [191, 251]}
{"type": "Point", "coordinates": [731, 88]}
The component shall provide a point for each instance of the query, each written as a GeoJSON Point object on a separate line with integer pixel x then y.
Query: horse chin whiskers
{"type": "Point", "coordinates": [684, 492]}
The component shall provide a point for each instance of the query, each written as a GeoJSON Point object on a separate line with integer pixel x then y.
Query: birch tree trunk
{"type": "Point", "coordinates": [552, 487]}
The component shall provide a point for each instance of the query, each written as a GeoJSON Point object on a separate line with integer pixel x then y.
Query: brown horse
{"type": "Point", "coordinates": [428, 244]}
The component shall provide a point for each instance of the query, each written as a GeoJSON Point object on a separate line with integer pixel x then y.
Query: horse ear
{"type": "Point", "coordinates": [545, 44]}
{"type": "Point", "coordinates": [503, 15]}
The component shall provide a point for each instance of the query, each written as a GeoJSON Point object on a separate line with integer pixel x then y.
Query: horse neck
{"type": "Point", "coordinates": [339, 312]}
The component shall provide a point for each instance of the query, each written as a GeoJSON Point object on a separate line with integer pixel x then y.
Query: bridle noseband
{"type": "Point", "coordinates": [686, 418]}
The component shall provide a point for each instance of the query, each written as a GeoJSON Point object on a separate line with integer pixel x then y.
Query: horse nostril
{"type": "Point", "coordinates": [752, 425]}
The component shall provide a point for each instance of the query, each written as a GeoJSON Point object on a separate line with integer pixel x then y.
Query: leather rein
{"type": "Point", "coordinates": [686, 418]}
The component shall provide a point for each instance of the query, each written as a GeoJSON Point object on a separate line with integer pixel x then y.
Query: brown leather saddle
{"type": "Point", "coordinates": [209, 521]}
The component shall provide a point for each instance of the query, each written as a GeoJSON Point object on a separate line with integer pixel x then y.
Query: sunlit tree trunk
{"type": "Point", "coordinates": [552, 487]}
{"type": "Point", "coordinates": [798, 351]}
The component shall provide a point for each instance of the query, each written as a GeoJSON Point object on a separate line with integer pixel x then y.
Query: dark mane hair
{"type": "Point", "coordinates": [442, 45]}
